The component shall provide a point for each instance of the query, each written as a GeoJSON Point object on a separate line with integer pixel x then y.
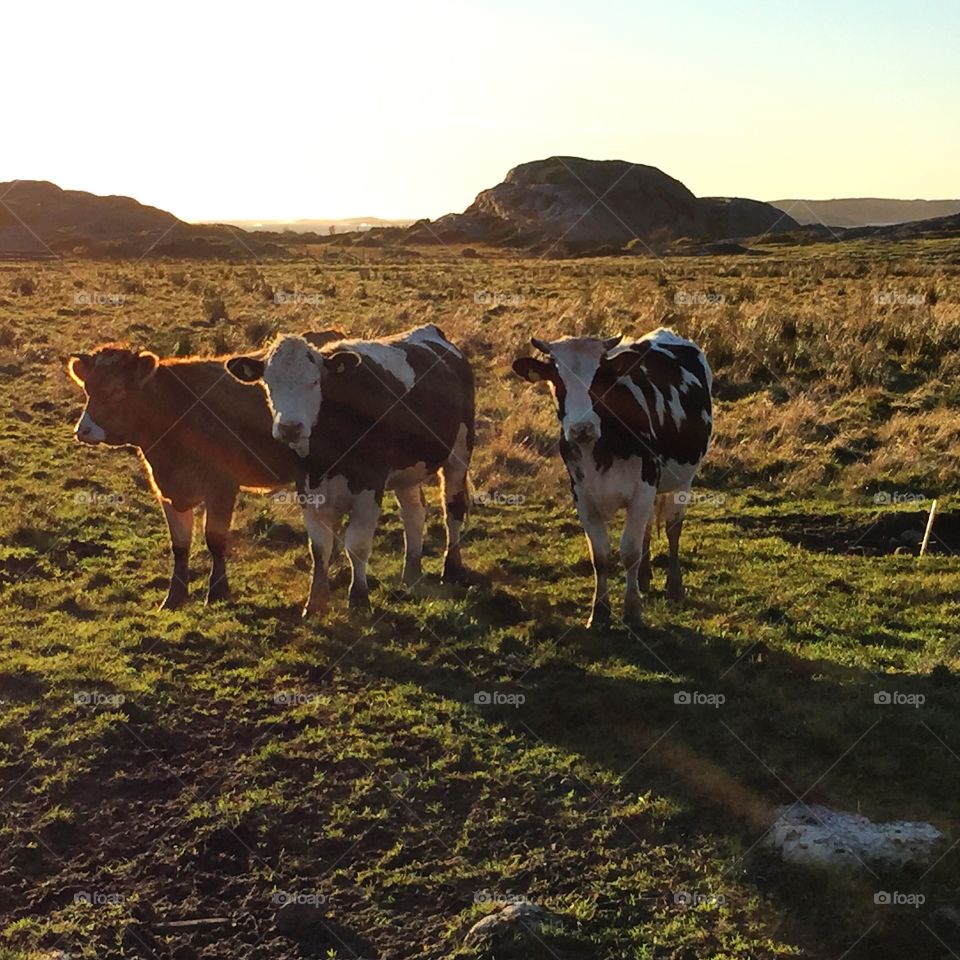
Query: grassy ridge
{"type": "Point", "coordinates": [200, 763]}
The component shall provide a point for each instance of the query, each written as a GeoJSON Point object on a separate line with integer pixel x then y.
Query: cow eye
{"type": "Point", "coordinates": [310, 358]}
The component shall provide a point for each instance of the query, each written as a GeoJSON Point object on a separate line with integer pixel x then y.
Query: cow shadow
{"type": "Point", "coordinates": [787, 728]}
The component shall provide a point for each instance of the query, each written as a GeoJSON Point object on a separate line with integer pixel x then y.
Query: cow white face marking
{"type": "Point", "coordinates": [87, 431]}
{"type": "Point", "coordinates": [292, 376]}
{"type": "Point", "coordinates": [577, 360]}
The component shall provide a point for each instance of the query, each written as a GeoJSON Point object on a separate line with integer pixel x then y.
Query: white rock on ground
{"type": "Point", "coordinates": [817, 835]}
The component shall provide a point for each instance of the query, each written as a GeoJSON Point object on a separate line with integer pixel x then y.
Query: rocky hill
{"type": "Point", "coordinates": [572, 205]}
{"type": "Point", "coordinates": [39, 218]}
{"type": "Point", "coordinates": [865, 211]}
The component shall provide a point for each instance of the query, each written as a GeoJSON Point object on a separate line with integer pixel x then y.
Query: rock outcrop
{"type": "Point", "coordinates": [573, 205]}
{"type": "Point", "coordinates": [38, 217]}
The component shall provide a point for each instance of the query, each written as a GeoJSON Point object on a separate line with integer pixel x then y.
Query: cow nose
{"type": "Point", "coordinates": [583, 433]}
{"type": "Point", "coordinates": [289, 432]}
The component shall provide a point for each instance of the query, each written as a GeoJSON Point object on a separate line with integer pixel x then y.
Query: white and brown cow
{"type": "Point", "coordinates": [635, 422]}
{"type": "Point", "coordinates": [201, 437]}
{"type": "Point", "coordinates": [366, 416]}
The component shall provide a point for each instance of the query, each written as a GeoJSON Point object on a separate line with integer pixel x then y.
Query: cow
{"type": "Point", "coordinates": [636, 420]}
{"type": "Point", "coordinates": [367, 416]}
{"type": "Point", "coordinates": [200, 435]}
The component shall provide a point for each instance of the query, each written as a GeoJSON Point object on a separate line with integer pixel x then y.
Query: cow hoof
{"type": "Point", "coordinates": [599, 621]}
{"type": "Point", "coordinates": [218, 594]}
{"type": "Point", "coordinates": [634, 623]}
{"type": "Point", "coordinates": [311, 612]}
{"type": "Point", "coordinates": [456, 575]}
{"type": "Point", "coordinates": [173, 601]}
{"type": "Point", "coordinates": [675, 592]}
{"type": "Point", "coordinates": [359, 602]}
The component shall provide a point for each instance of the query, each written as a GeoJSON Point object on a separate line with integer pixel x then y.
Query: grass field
{"type": "Point", "coordinates": [209, 764]}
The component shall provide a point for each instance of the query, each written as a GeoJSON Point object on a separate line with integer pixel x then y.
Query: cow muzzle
{"type": "Point", "coordinates": [582, 433]}
{"type": "Point", "coordinates": [293, 435]}
{"type": "Point", "coordinates": [87, 431]}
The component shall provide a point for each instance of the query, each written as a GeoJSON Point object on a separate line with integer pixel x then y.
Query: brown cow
{"type": "Point", "coordinates": [201, 436]}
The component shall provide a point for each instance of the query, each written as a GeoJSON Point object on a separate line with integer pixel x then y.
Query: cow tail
{"type": "Point", "coordinates": [659, 509]}
{"type": "Point", "coordinates": [468, 493]}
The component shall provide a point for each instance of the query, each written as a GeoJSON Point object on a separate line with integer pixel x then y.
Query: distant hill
{"type": "Point", "coordinates": [349, 225]}
{"type": "Point", "coordinates": [38, 217]}
{"type": "Point", "coordinates": [570, 205]}
{"type": "Point", "coordinates": [865, 211]}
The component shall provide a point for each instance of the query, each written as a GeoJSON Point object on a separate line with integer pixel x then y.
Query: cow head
{"type": "Point", "coordinates": [571, 366]}
{"type": "Point", "coordinates": [294, 374]}
{"type": "Point", "coordinates": [113, 378]}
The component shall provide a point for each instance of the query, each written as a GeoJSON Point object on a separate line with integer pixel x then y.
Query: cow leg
{"type": "Point", "coordinates": [674, 524]}
{"type": "Point", "coordinates": [413, 512]}
{"type": "Point", "coordinates": [321, 523]}
{"type": "Point", "coordinates": [358, 542]}
{"type": "Point", "coordinates": [634, 544]}
{"type": "Point", "coordinates": [216, 530]}
{"type": "Point", "coordinates": [598, 538]}
{"type": "Point", "coordinates": [180, 524]}
{"type": "Point", "coordinates": [453, 487]}
{"type": "Point", "coordinates": [645, 570]}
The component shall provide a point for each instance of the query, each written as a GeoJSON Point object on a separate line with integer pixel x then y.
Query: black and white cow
{"type": "Point", "coordinates": [366, 416]}
{"type": "Point", "coordinates": [635, 421]}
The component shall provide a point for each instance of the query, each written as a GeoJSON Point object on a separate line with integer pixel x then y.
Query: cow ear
{"type": "Point", "coordinates": [319, 339]}
{"type": "Point", "coordinates": [246, 369]}
{"type": "Point", "coordinates": [342, 361]}
{"type": "Point", "coordinates": [529, 368]}
{"type": "Point", "coordinates": [78, 366]}
{"type": "Point", "coordinates": [145, 366]}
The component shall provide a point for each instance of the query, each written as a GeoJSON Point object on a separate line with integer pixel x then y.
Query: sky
{"type": "Point", "coordinates": [287, 110]}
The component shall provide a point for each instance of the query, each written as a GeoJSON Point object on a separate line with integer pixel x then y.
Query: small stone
{"type": "Point", "coordinates": [518, 921]}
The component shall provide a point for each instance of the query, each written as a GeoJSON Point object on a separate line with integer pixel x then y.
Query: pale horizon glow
{"type": "Point", "coordinates": [297, 111]}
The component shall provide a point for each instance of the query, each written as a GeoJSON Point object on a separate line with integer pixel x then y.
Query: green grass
{"type": "Point", "coordinates": [216, 757]}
